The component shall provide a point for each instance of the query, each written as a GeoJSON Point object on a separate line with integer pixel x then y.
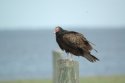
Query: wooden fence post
{"type": "Point", "coordinates": [66, 71]}
{"type": "Point", "coordinates": [56, 56]}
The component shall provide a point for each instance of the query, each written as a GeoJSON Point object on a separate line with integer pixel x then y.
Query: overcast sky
{"type": "Point", "coordinates": [16, 14]}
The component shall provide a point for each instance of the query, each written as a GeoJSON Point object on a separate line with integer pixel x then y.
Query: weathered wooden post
{"type": "Point", "coordinates": [56, 57]}
{"type": "Point", "coordinates": [65, 70]}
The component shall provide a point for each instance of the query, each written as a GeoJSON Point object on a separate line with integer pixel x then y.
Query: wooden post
{"type": "Point", "coordinates": [56, 57]}
{"type": "Point", "coordinates": [67, 71]}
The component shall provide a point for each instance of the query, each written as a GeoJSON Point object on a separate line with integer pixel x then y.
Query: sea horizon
{"type": "Point", "coordinates": [26, 54]}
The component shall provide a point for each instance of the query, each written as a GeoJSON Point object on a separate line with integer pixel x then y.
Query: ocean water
{"type": "Point", "coordinates": [27, 54]}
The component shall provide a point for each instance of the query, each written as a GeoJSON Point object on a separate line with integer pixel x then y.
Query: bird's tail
{"type": "Point", "coordinates": [90, 57]}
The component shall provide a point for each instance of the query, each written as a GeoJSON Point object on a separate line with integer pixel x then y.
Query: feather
{"type": "Point", "coordinates": [74, 43]}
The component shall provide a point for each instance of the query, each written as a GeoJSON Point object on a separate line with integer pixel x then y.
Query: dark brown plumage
{"type": "Point", "coordinates": [74, 43]}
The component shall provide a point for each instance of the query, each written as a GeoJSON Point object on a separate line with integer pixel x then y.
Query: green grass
{"type": "Point", "coordinates": [28, 81]}
{"type": "Point", "coordinates": [103, 79]}
{"type": "Point", "coordinates": [98, 79]}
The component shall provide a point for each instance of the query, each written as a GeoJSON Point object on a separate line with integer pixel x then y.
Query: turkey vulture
{"type": "Point", "coordinates": [74, 43]}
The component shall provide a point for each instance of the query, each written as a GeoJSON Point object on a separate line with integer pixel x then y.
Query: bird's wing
{"type": "Point", "coordinates": [76, 40]}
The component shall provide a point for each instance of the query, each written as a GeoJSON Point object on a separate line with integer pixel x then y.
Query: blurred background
{"type": "Point", "coordinates": [27, 39]}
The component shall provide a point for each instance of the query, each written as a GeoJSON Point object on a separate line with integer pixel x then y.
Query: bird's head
{"type": "Point", "coordinates": [58, 29]}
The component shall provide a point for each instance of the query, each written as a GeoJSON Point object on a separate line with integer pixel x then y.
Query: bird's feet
{"type": "Point", "coordinates": [69, 57]}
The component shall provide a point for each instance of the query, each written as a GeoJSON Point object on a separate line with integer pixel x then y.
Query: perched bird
{"type": "Point", "coordinates": [74, 43]}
